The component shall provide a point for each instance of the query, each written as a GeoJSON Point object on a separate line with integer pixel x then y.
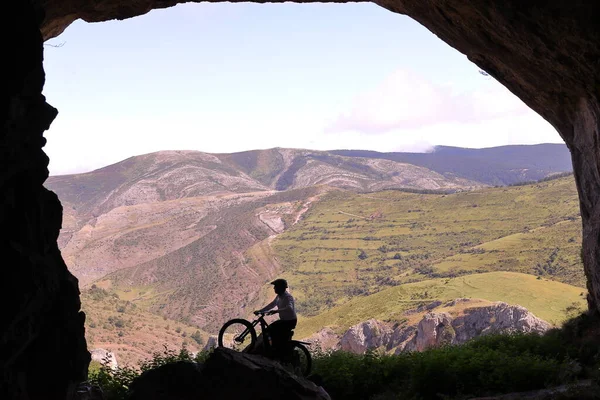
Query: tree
{"type": "Point", "coordinates": [197, 336]}
{"type": "Point", "coordinates": [362, 255]}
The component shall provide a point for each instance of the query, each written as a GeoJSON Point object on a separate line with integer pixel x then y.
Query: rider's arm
{"type": "Point", "coordinates": [269, 306]}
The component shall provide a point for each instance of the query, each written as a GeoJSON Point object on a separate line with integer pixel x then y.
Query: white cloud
{"type": "Point", "coordinates": [405, 100]}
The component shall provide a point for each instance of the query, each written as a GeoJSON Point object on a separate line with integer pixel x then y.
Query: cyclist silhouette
{"type": "Point", "coordinates": [281, 330]}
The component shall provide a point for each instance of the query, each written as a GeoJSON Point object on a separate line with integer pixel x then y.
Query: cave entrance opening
{"type": "Point", "coordinates": [202, 103]}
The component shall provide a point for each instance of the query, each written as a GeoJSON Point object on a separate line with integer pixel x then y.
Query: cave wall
{"type": "Point", "coordinates": [42, 346]}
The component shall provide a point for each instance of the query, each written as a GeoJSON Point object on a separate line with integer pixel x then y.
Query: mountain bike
{"type": "Point", "coordinates": [240, 335]}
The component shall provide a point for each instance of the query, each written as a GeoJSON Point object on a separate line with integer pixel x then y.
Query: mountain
{"type": "Point", "coordinates": [504, 165]}
{"type": "Point", "coordinates": [194, 237]}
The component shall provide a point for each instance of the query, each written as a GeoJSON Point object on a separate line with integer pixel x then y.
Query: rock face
{"type": "Point", "coordinates": [498, 318]}
{"type": "Point", "coordinates": [225, 375]}
{"type": "Point", "coordinates": [104, 356]}
{"type": "Point", "coordinates": [324, 340]}
{"type": "Point", "coordinates": [434, 330]}
{"type": "Point", "coordinates": [211, 343]}
{"type": "Point", "coordinates": [42, 346]}
{"type": "Point", "coordinates": [366, 335]}
{"type": "Point", "coordinates": [439, 328]}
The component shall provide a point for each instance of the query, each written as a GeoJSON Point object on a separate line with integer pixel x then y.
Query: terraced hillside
{"type": "Point", "coordinates": [353, 245]}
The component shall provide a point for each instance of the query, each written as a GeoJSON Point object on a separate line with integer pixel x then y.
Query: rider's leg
{"type": "Point", "coordinates": [280, 332]}
{"type": "Point", "coordinates": [276, 331]}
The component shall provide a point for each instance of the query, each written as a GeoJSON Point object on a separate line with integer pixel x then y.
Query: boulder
{"type": "Point", "coordinates": [226, 374]}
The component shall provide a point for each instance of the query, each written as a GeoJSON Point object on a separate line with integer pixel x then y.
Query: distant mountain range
{"type": "Point", "coordinates": [496, 166]}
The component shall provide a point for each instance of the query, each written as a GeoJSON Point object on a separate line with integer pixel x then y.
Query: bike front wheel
{"type": "Point", "coordinates": [302, 361]}
{"type": "Point", "coordinates": [238, 335]}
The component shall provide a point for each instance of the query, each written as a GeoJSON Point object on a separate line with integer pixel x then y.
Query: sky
{"type": "Point", "coordinates": [223, 77]}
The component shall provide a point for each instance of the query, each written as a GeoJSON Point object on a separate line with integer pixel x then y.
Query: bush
{"type": "Point", "coordinates": [489, 365]}
{"type": "Point", "coordinates": [486, 366]}
{"type": "Point", "coordinates": [115, 383]}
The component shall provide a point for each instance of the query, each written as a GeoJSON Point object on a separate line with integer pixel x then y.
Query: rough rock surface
{"type": "Point", "coordinates": [370, 334]}
{"type": "Point", "coordinates": [104, 356]}
{"type": "Point", "coordinates": [211, 343]}
{"type": "Point", "coordinates": [440, 328]}
{"type": "Point", "coordinates": [42, 346]}
{"type": "Point", "coordinates": [225, 375]}
{"type": "Point", "coordinates": [434, 330]}
{"type": "Point", "coordinates": [500, 317]}
{"type": "Point", "coordinates": [326, 339]}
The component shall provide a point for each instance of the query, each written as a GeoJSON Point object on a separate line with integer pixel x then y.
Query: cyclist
{"type": "Point", "coordinates": [281, 330]}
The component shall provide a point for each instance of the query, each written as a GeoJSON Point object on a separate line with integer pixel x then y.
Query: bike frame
{"type": "Point", "coordinates": [263, 328]}
{"type": "Point", "coordinates": [264, 331]}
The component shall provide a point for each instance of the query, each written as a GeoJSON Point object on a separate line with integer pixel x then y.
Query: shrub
{"type": "Point", "coordinates": [489, 365]}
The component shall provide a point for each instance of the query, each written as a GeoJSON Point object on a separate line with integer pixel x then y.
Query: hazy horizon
{"type": "Point", "coordinates": [430, 150]}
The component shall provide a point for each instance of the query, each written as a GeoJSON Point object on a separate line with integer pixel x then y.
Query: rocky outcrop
{"type": "Point", "coordinates": [500, 317]}
{"type": "Point", "coordinates": [434, 330]}
{"type": "Point", "coordinates": [440, 328]}
{"type": "Point", "coordinates": [211, 343]}
{"type": "Point", "coordinates": [324, 340]}
{"type": "Point", "coordinates": [105, 357]}
{"type": "Point", "coordinates": [366, 335]}
{"type": "Point", "coordinates": [225, 375]}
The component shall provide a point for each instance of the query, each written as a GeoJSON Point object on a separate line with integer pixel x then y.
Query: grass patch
{"type": "Point", "coordinates": [549, 300]}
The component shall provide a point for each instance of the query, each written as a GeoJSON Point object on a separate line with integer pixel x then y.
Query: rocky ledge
{"type": "Point", "coordinates": [226, 374]}
{"type": "Point", "coordinates": [434, 329]}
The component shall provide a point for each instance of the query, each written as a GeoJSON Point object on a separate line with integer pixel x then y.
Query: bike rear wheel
{"type": "Point", "coordinates": [238, 335]}
{"type": "Point", "coordinates": [302, 361]}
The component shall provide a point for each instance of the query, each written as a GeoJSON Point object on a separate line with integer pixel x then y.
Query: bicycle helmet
{"type": "Point", "coordinates": [280, 282]}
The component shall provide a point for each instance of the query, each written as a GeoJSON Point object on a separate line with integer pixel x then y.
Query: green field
{"type": "Point", "coordinates": [350, 246]}
{"type": "Point", "coordinates": [546, 299]}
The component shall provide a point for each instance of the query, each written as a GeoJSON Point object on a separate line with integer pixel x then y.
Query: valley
{"type": "Point", "coordinates": [173, 244]}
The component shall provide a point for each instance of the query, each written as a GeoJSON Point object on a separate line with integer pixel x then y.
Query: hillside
{"type": "Point", "coordinates": [546, 299]}
{"type": "Point", "coordinates": [355, 244]}
{"type": "Point", "coordinates": [184, 242]}
{"type": "Point", "coordinates": [122, 327]}
{"type": "Point", "coordinates": [494, 166]}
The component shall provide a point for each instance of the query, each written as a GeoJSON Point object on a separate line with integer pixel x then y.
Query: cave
{"type": "Point", "coordinates": [545, 52]}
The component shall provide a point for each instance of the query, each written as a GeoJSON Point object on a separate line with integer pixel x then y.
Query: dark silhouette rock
{"type": "Point", "coordinates": [225, 375]}
{"type": "Point", "coordinates": [177, 381]}
{"type": "Point", "coordinates": [42, 346]}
